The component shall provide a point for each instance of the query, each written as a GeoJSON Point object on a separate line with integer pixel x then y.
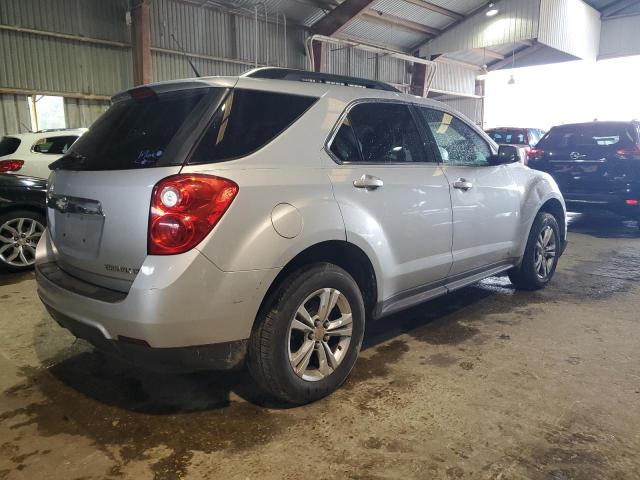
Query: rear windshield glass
{"type": "Point", "coordinates": [509, 137]}
{"type": "Point", "coordinates": [604, 134]}
{"type": "Point", "coordinates": [8, 145]}
{"type": "Point", "coordinates": [137, 134]}
{"type": "Point", "coordinates": [247, 121]}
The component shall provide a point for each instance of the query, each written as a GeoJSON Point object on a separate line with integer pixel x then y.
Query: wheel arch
{"type": "Point", "coordinates": [345, 255]}
{"type": "Point", "coordinates": [23, 207]}
{"type": "Point", "coordinates": [555, 208]}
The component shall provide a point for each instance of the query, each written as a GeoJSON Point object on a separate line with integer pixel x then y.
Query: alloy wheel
{"type": "Point", "coordinates": [18, 240]}
{"type": "Point", "coordinates": [320, 334]}
{"type": "Point", "coordinates": [545, 252]}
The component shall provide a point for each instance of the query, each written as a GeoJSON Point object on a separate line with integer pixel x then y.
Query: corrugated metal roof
{"type": "Point", "coordinates": [377, 34]}
{"type": "Point", "coordinates": [298, 11]}
{"type": "Point", "coordinates": [602, 4]}
{"type": "Point", "coordinates": [412, 12]}
{"type": "Point", "coordinates": [461, 6]}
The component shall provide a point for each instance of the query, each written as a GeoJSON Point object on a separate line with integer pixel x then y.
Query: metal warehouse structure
{"type": "Point", "coordinates": [87, 50]}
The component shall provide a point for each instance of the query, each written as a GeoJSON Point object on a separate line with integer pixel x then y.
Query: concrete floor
{"type": "Point", "coordinates": [487, 383]}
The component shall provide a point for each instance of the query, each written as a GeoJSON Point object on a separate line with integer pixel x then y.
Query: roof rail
{"type": "Point", "coordinates": [49, 130]}
{"type": "Point", "coordinates": [277, 73]}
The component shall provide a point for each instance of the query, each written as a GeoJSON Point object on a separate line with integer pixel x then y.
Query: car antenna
{"type": "Point", "coordinates": [186, 56]}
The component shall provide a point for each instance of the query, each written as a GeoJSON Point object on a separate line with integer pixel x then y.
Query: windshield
{"type": "Point", "coordinates": [589, 135]}
{"type": "Point", "coordinates": [509, 137]}
{"type": "Point", "coordinates": [141, 133]}
{"type": "Point", "coordinates": [8, 145]}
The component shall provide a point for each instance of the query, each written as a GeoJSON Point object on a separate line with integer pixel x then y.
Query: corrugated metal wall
{"type": "Point", "coordinates": [14, 114]}
{"type": "Point", "coordinates": [518, 20]}
{"type": "Point", "coordinates": [454, 78]}
{"type": "Point", "coordinates": [222, 43]}
{"type": "Point", "coordinates": [82, 113]}
{"type": "Point", "coordinates": [615, 36]}
{"type": "Point", "coordinates": [470, 107]}
{"type": "Point", "coordinates": [40, 63]}
{"type": "Point", "coordinates": [360, 63]}
{"type": "Point", "coordinates": [570, 26]}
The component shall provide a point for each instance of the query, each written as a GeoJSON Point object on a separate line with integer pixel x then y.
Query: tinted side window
{"type": "Point", "coordinates": [457, 142]}
{"type": "Point", "coordinates": [345, 145]}
{"type": "Point", "coordinates": [386, 133]}
{"type": "Point", "coordinates": [8, 145]}
{"type": "Point", "coordinates": [54, 145]}
{"type": "Point", "coordinates": [247, 121]}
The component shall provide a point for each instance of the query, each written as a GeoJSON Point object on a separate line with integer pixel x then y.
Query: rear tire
{"type": "Point", "coordinates": [540, 256]}
{"type": "Point", "coordinates": [301, 350]}
{"type": "Point", "coordinates": [20, 231]}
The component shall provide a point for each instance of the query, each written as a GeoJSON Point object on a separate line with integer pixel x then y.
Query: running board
{"type": "Point", "coordinates": [422, 294]}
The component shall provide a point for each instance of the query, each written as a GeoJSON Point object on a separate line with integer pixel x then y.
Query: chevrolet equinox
{"type": "Point", "coordinates": [262, 219]}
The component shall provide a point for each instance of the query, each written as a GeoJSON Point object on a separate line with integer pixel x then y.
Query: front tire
{"type": "Point", "coordinates": [20, 231]}
{"type": "Point", "coordinates": [307, 337]}
{"type": "Point", "coordinates": [541, 254]}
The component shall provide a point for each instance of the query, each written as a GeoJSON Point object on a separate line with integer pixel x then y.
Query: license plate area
{"type": "Point", "coordinates": [76, 225]}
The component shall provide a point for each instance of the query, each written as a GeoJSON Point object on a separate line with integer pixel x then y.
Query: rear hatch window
{"type": "Point", "coordinates": [143, 133]}
{"type": "Point", "coordinates": [614, 135]}
{"type": "Point", "coordinates": [8, 145]}
{"type": "Point", "coordinates": [509, 137]}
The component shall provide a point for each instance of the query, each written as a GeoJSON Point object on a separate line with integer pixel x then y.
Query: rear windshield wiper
{"type": "Point", "coordinates": [69, 160]}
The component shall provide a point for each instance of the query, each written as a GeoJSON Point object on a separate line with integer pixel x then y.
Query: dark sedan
{"type": "Point", "coordinates": [22, 220]}
{"type": "Point", "coordinates": [596, 165]}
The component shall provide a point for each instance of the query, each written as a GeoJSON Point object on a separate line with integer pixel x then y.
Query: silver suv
{"type": "Point", "coordinates": [266, 217]}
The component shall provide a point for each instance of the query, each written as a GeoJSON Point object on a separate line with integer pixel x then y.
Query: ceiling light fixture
{"type": "Point", "coordinates": [493, 10]}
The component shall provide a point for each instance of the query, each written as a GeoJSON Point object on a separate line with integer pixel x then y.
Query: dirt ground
{"type": "Point", "coordinates": [486, 383]}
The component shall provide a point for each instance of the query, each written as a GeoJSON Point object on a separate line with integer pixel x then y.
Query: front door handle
{"type": "Point", "coordinates": [462, 184]}
{"type": "Point", "coordinates": [368, 182]}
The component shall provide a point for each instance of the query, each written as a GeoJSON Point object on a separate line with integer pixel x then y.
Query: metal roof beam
{"type": "Point", "coordinates": [338, 18]}
{"type": "Point", "coordinates": [435, 8]}
{"type": "Point", "coordinates": [385, 18]}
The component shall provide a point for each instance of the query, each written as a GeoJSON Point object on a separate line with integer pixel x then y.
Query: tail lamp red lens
{"type": "Point", "coordinates": [184, 209]}
{"type": "Point", "coordinates": [535, 153]}
{"type": "Point", "coordinates": [11, 165]}
{"type": "Point", "coordinates": [633, 152]}
{"type": "Point", "coordinates": [632, 201]}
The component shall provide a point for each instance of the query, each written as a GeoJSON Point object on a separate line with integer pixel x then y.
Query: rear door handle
{"type": "Point", "coordinates": [462, 184]}
{"type": "Point", "coordinates": [368, 182]}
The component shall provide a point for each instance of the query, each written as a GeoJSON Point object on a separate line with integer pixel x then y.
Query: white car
{"type": "Point", "coordinates": [31, 153]}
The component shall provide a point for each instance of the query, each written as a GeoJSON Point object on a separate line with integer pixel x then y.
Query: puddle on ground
{"type": "Point", "coordinates": [117, 406]}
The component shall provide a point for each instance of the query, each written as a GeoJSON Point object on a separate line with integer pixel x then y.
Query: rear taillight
{"type": "Point", "coordinates": [535, 153]}
{"type": "Point", "coordinates": [11, 165]}
{"type": "Point", "coordinates": [632, 152]}
{"type": "Point", "coordinates": [184, 209]}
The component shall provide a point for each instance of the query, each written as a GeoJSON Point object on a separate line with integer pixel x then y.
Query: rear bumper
{"type": "Point", "coordinates": [176, 302]}
{"type": "Point", "coordinates": [584, 202]}
{"type": "Point", "coordinates": [219, 356]}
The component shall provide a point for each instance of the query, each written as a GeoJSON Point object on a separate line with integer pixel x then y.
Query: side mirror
{"type": "Point", "coordinates": [507, 154]}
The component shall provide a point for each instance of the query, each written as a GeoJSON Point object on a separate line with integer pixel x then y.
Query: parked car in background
{"type": "Point", "coordinates": [267, 216]}
{"type": "Point", "coordinates": [31, 153]}
{"type": "Point", "coordinates": [596, 165]}
{"type": "Point", "coordinates": [521, 137]}
{"type": "Point", "coordinates": [22, 219]}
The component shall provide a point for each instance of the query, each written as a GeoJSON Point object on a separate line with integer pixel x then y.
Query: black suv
{"type": "Point", "coordinates": [596, 165]}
